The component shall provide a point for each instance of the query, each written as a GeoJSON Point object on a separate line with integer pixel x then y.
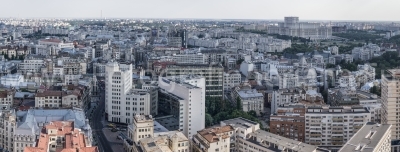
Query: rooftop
{"type": "Point", "coordinates": [213, 134]}
{"type": "Point", "coordinates": [239, 122]}
{"type": "Point", "coordinates": [282, 142]}
{"type": "Point", "coordinates": [367, 138]}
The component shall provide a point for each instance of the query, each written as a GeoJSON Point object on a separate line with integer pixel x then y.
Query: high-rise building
{"type": "Point", "coordinates": [331, 127]}
{"type": "Point", "coordinates": [184, 98]}
{"type": "Point", "coordinates": [390, 97]}
{"type": "Point", "coordinates": [213, 75]}
{"type": "Point", "coordinates": [122, 101]}
{"type": "Point", "coordinates": [371, 137]}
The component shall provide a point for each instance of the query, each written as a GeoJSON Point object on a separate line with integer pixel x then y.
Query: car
{"type": "Point", "coordinates": [111, 125]}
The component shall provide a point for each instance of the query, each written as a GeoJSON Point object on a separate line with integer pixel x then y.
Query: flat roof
{"type": "Point", "coordinates": [240, 122]}
{"type": "Point", "coordinates": [367, 138]}
{"type": "Point", "coordinates": [262, 135]}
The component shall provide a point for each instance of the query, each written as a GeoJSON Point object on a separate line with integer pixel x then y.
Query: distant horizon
{"type": "Point", "coordinates": [217, 19]}
{"type": "Point", "coordinates": [314, 10]}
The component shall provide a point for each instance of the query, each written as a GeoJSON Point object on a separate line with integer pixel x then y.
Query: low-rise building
{"type": "Point", "coordinates": [62, 136]}
{"type": "Point", "coordinates": [251, 99]}
{"type": "Point", "coordinates": [232, 79]}
{"type": "Point", "coordinates": [289, 122]}
{"type": "Point", "coordinates": [213, 139]}
{"type": "Point", "coordinates": [144, 136]}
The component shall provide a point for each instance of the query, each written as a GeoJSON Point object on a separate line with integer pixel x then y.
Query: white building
{"type": "Point", "coordinates": [246, 68]}
{"type": "Point", "coordinates": [250, 98]}
{"type": "Point", "coordinates": [189, 92]}
{"type": "Point", "coordinates": [371, 137]}
{"type": "Point", "coordinates": [12, 80]}
{"type": "Point", "coordinates": [32, 63]}
{"type": "Point", "coordinates": [292, 27]}
{"type": "Point", "coordinates": [366, 52]}
{"type": "Point", "coordinates": [189, 58]}
{"type": "Point", "coordinates": [122, 101]}
{"type": "Point", "coordinates": [232, 79]}
{"type": "Point", "coordinates": [333, 126]}
{"type": "Point", "coordinates": [288, 80]}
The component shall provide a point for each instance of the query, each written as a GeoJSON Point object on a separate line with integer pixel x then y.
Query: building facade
{"type": "Point", "coordinates": [390, 100]}
{"type": "Point", "coordinates": [333, 126]}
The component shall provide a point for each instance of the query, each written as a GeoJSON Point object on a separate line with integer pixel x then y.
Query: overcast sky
{"type": "Point", "coordinates": [382, 10]}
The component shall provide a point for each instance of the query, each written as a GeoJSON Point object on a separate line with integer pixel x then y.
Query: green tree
{"type": "Point", "coordinates": [238, 62]}
{"type": "Point", "coordinates": [209, 120]}
{"type": "Point", "coordinates": [252, 113]}
{"type": "Point", "coordinates": [239, 105]}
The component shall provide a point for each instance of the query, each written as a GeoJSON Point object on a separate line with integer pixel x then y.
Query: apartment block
{"type": "Point", "coordinates": [333, 126]}
{"type": "Point", "coordinates": [62, 136]}
{"type": "Point", "coordinates": [390, 97]}
{"type": "Point", "coordinates": [32, 63]}
{"type": "Point", "coordinates": [289, 122]}
{"type": "Point", "coordinates": [232, 79]}
{"type": "Point", "coordinates": [213, 75]}
{"type": "Point", "coordinates": [7, 97]}
{"type": "Point", "coordinates": [189, 58]}
{"type": "Point", "coordinates": [184, 98]}
{"type": "Point", "coordinates": [372, 137]}
{"type": "Point", "coordinates": [248, 137]}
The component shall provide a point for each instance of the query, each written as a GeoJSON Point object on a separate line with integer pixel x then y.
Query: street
{"type": "Point", "coordinates": [97, 125]}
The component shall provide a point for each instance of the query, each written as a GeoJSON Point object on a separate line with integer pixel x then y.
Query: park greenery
{"type": "Point", "coordinates": [358, 35]}
{"type": "Point", "coordinates": [218, 110]}
{"type": "Point", "coordinates": [387, 60]}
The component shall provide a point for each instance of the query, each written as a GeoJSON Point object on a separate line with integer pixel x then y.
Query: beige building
{"type": "Point", "coordinates": [58, 99]}
{"type": "Point", "coordinates": [371, 137]}
{"type": "Point", "coordinates": [390, 97]}
{"type": "Point", "coordinates": [248, 137]}
{"type": "Point", "coordinates": [142, 137]}
{"type": "Point", "coordinates": [213, 139]}
{"type": "Point", "coordinates": [7, 97]}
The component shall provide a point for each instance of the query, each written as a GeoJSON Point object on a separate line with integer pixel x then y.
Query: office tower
{"type": "Point", "coordinates": [184, 98]}
{"type": "Point", "coordinates": [213, 75]}
{"type": "Point", "coordinates": [390, 97]}
{"type": "Point", "coordinates": [122, 101]}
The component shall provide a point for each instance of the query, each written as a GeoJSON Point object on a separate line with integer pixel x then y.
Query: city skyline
{"type": "Point", "coordinates": [354, 10]}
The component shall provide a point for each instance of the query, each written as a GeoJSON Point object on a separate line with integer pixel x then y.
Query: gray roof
{"type": "Point", "coordinates": [249, 93]}
{"type": "Point", "coordinates": [30, 121]}
{"type": "Point", "coordinates": [367, 138]}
